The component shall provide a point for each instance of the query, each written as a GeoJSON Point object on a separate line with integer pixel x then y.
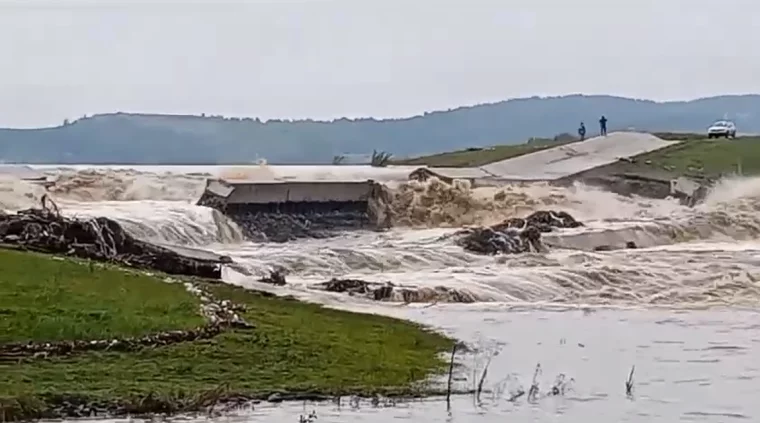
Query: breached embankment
{"type": "Point", "coordinates": [327, 208]}
{"type": "Point", "coordinates": [285, 211]}
{"type": "Point", "coordinates": [610, 222]}
{"type": "Point", "coordinates": [281, 210]}
{"type": "Point", "coordinates": [671, 264]}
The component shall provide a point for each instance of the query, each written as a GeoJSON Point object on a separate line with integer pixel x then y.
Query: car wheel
{"type": "Point", "coordinates": [709, 135]}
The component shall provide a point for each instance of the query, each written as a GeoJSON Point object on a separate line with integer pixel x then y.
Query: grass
{"type": "Point", "coordinates": [695, 156]}
{"type": "Point", "coordinates": [47, 299]}
{"type": "Point", "coordinates": [709, 157]}
{"type": "Point", "coordinates": [477, 157]}
{"type": "Point", "coordinates": [295, 347]}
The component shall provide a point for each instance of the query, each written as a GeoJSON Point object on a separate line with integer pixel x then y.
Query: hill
{"type": "Point", "coordinates": [175, 139]}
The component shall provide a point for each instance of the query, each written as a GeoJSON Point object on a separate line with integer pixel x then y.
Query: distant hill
{"type": "Point", "coordinates": [173, 139]}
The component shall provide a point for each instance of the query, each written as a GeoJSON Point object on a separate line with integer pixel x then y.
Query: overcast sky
{"type": "Point", "coordinates": [330, 58]}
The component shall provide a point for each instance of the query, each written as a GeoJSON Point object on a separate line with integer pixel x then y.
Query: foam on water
{"type": "Point", "coordinates": [125, 185]}
{"type": "Point", "coordinates": [16, 194]}
{"type": "Point", "coordinates": [690, 275]}
{"type": "Point", "coordinates": [164, 222]}
{"type": "Point", "coordinates": [159, 207]}
{"type": "Point", "coordinates": [699, 257]}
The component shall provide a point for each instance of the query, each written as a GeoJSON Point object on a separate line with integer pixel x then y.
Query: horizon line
{"type": "Point", "coordinates": [204, 115]}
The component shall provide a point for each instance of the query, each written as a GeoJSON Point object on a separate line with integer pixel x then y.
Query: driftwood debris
{"type": "Point", "coordinates": [45, 230]}
{"type": "Point", "coordinates": [387, 291]}
{"type": "Point", "coordinates": [219, 315]}
{"type": "Point", "coordinates": [515, 235]}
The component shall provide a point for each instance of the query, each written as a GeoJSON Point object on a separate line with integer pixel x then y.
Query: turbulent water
{"type": "Point", "coordinates": [681, 308]}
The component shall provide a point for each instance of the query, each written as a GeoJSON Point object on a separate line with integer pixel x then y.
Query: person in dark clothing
{"type": "Point", "coordinates": [603, 126]}
{"type": "Point", "coordinates": [582, 131]}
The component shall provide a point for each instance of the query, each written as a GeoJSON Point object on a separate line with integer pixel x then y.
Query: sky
{"type": "Point", "coordinates": [326, 59]}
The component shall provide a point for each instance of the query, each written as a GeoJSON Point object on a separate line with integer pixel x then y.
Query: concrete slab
{"type": "Point", "coordinates": [476, 176]}
{"type": "Point", "coordinates": [274, 192]}
{"type": "Point", "coordinates": [455, 172]}
{"type": "Point", "coordinates": [559, 162]}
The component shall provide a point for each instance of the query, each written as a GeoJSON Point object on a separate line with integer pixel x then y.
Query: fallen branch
{"type": "Point", "coordinates": [451, 376]}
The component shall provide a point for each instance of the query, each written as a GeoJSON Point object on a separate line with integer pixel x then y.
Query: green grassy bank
{"type": "Point", "coordinates": [472, 157]}
{"type": "Point", "coordinates": [696, 155]}
{"type": "Point", "coordinates": [294, 348]}
{"type": "Point", "coordinates": [708, 157]}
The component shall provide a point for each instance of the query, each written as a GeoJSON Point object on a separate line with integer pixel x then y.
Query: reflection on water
{"type": "Point", "coordinates": [690, 366]}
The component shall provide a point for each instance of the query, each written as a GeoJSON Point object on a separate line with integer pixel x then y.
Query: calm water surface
{"type": "Point", "coordinates": [690, 366]}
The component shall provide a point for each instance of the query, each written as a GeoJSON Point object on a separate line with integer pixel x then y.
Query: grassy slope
{"type": "Point", "coordinates": [296, 347]}
{"type": "Point", "coordinates": [695, 155]}
{"type": "Point", "coordinates": [711, 158]}
{"type": "Point", "coordinates": [476, 157]}
{"type": "Point", "coordinates": [43, 299]}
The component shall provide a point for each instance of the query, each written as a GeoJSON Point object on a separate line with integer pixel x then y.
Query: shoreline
{"type": "Point", "coordinates": [113, 382]}
{"type": "Point", "coordinates": [286, 350]}
{"type": "Point", "coordinates": [64, 406]}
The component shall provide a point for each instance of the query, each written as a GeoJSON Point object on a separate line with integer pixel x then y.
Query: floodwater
{"type": "Point", "coordinates": [682, 309]}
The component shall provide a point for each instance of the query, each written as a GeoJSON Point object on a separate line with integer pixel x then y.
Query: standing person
{"type": "Point", "coordinates": [582, 131]}
{"type": "Point", "coordinates": [603, 126]}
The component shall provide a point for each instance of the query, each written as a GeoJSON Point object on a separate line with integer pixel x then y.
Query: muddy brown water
{"type": "Point", "coordinates": [682, 309]}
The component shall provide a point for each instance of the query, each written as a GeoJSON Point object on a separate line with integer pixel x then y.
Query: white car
{"type": "Point", "coordinates": [722, 128]}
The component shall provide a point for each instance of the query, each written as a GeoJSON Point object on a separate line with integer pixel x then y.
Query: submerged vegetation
{"type": "Point", "coordinates": [292, 349]}
{"type": "Point", "coordinates": [380, 158]}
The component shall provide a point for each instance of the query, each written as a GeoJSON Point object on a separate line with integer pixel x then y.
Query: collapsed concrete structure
{"type": "Point", "coordinates": [477, 177]}
{"type": "Point", "coordinates": [286, 210]}
{"type": "Point", "coordinates": [608, 162]}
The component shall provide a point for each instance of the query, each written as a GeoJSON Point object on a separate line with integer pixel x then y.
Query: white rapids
{"type": "Point", "coordinates": [690, 258]}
